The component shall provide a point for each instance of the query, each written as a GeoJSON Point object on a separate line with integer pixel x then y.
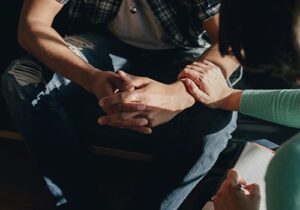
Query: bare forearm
{"type": "Point", "coordinates": [44, 43]}
{"type": "Point", "coordinates": [228, 64]}
{"type": "Point", "coordinates": [233, 101]}
{"type": "Point", "coordinates": [183, 99]}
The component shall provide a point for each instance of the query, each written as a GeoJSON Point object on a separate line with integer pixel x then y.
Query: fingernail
{"type": "Point", "coordinates": [144, 122]}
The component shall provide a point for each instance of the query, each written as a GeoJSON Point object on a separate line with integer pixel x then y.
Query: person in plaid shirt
{"type": "Point", "coordinates": [118, 81]}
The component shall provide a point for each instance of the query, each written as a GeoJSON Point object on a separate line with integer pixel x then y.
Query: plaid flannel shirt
{"type": "Point", "coordinates": [181, 19]}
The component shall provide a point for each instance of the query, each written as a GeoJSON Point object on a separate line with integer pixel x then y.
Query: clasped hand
{"type": "Point", "coordinates": [206, 83]}
{"type": "Point", "coordinates": [141, 103]}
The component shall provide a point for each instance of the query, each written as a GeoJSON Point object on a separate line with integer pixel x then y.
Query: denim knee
{"type": "Point", "coordinates": [19, 76]}
{"type": "Point", "coordinates": [20, 84]}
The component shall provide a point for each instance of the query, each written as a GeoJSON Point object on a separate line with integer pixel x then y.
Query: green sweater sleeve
{"type": "Point", "coordinates": [278, 106]}
{"type": "Point", "coordinates": [282, 178]}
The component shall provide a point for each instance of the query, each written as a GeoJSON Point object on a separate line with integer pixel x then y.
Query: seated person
{"type": "Point", "coordinates": [153, 41]}
{"type": "Point", "coordinates": [267, 39]}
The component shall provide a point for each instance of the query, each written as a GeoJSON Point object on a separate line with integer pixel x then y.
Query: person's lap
{"type": "Point", "coordinates": [184, 149]}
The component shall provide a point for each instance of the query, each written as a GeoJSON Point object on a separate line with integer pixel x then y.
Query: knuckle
{"type": "Point", "coordinates": [185, 71]}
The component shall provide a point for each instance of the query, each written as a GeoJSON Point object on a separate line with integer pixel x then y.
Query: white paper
{"type": "Point", "coordinates": [252, 165]}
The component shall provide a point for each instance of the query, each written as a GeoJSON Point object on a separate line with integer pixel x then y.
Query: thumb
{"type": "Point", "coordinates": [136, 81]}
{"type": "Point", "coordinates": [122, 84]}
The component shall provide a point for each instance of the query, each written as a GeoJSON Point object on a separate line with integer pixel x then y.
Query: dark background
{"type": "Point", "coordinates": [9, 13]}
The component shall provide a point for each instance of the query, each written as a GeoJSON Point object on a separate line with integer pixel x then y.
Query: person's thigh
{"type": "Point", "coordinates": [187, 147]}
{"type": "Point", "coordinates": [38, 100]}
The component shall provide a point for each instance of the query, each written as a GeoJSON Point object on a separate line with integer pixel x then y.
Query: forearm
{"type": "Point", "coordinates": [44, 43]}
{"type": "Point", "coordinates": [233, 101]}
{"type": "Point", "coordinates": [228, 64]}
{"type": "Point", "coordinates": [182, 98]}
{"type": "Point", "coordinates": [278, 106]}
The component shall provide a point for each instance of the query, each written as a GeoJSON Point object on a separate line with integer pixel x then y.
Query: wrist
{"type": "Point", "coordinates": [88, 78]}
{"type": "Point", "coordinates": [183, 99]}
{"type": "Point", "coordinates": [232, 101]}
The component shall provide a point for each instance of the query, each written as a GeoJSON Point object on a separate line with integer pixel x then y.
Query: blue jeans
{"type": "Point", "coordinates": [55, 116]}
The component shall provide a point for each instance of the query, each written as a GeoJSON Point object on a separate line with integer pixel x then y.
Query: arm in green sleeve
{"type": "Point", "coordinates": [278, 106]}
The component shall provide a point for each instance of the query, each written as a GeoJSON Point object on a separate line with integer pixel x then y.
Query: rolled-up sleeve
{"type": "Point", "coordinates": [62, 1]}
{"type": "Point", "coordinates": [207, 8]}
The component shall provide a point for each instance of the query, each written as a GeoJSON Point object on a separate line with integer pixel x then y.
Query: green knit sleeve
{"type": "Point", "coordinates": [278, 106]}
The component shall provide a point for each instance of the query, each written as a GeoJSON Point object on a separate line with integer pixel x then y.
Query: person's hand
{"type": "Point", "coordinates": [207, 84]}
{"type": "Point", "coordinates": [235, 194]}
{"type": "Point", "coordinates": [151, 103]}
{"type": "Point", "coordinates": [105, 83]}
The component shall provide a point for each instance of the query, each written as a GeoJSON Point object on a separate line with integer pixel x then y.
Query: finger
{"type": "Point", "coordinates": [181, 74]}
{"type": "Point", "coordinates": [233, 177]}
{"type": "Point", "coordinates": [197, 93]}
{"type": "Point", "coordinates": [136, 124]}
{"type": "Point", "coordinates": [218, 204]}
{"type": "Point", "coordinates": [201, 64]}
{"type": "Point", "coordinates": [121, 97]}
{"type": "Point", "coordinates": [135, 80]}
{"type": "Point", "coordinates": [128, 107]}
{"type": "Point", "coordinates": [131, 107]}
{"type": "Point", "coordinates": [122, 84]}
{"type": "Point", "coordinates": [110, 109]}
{"type": "Point", "coordinates": [254, 190]}
{"type": "Point", "coordinates": [209, 63]}
{"type": "Point", "coordinates": [195, 76]}
{"type": "Point", "coordinates": [144, 130]}
{"type": "Point", "coordinates": [198, 68]}
{"type": "Point", "coordinates": [123, 120]}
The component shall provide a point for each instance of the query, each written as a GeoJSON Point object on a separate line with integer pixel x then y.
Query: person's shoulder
{"type": "Point", "coordinates": [283, 176]}
{"type": "Point", "coordinates": [287, 157]}
{"type": "Point", "coordinates": [290, 148]}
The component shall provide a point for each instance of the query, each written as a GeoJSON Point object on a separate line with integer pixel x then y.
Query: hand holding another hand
{"type": "Point", "coordinates": [106, 83]}
{"type": "Point", "coordinates": [207, 84]}
{"type": "Point", "coordinates": [150, 104]}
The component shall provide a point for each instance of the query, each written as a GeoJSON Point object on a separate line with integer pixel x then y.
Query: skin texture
{"type": "Point", "coordinates": [155, 95]}
{"type": "Point", "coordinates": [151, 100]}
{"type": "Point", "coordinates": [232, 197]}
{"type": "Point", "coordinates": [205, 82]}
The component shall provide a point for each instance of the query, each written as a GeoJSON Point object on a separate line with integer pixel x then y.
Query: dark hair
{"type": "Point", "coordinates": [261, 33]}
